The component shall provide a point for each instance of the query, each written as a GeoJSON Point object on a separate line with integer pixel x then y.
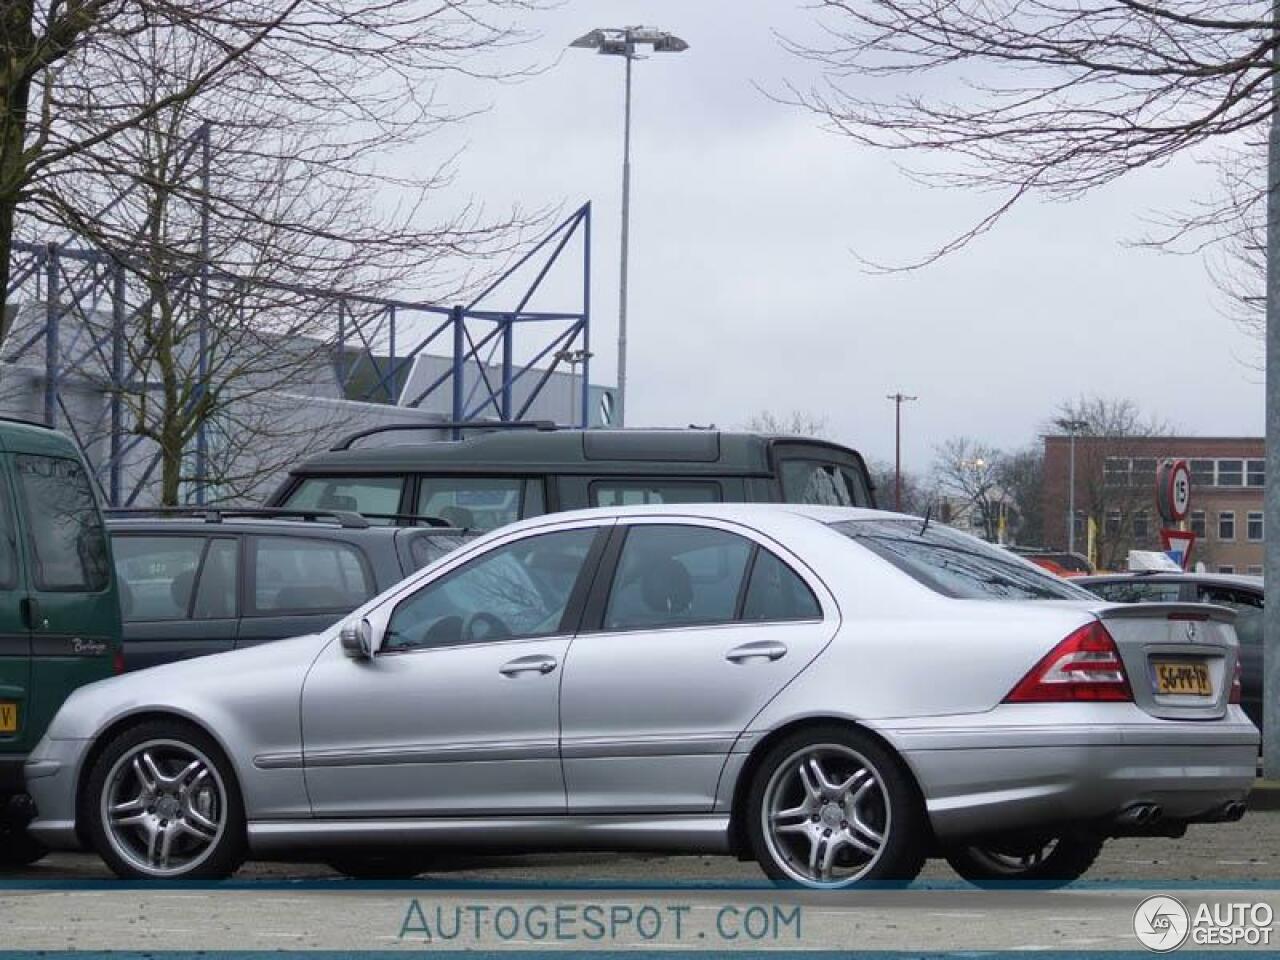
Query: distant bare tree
{"type": "Point", "coordinates": [1021, 475]}
{"type": "Point", "coordinates": [798, 423]}
{"type": "Point", "coordinates": [918, 494]}
{"type": "Point", "coordinates": [968, 472]}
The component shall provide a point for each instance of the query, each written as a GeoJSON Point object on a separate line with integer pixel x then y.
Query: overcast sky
{"type": "Point", "coordinates": [745, 293]}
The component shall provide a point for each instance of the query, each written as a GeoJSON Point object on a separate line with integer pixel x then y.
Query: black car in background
{"type": "Point", "coordinates": [1242, 594]}
{"type": "Point", "coordinates": [202, 581]}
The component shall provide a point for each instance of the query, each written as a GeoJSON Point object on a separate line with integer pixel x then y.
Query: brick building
{"type": "Point", "coordinates": [1115, 487]}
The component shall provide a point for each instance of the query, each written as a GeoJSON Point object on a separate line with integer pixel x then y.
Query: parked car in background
{"type": "Point", "coordinates": [59, 614]}
{"type": "Point", "coordinates": [1242, 594]}
{"type": "Point", "coordinates": [509, 472]}
{"type": "Point", "coordinates": [836, 693]}
{"type": "Point", "coordinates": [1061, 562]}
{"type": "Point", "coordinates": [200, 581]}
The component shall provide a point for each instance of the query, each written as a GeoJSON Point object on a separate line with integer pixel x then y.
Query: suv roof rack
{"type": "Point", "coordinates": [344, 518]}
{"type": "Point", "coordinates": [346, 442]}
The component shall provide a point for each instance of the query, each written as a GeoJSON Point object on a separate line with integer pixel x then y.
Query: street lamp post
{"type": "Point", "coordinates": [898, 399]}
{"type": "Point", "coordinates": [1072, 427]}
{"type": "Point", "coordinates": [622, 42]}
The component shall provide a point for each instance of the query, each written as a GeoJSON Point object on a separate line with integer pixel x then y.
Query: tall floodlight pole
{"type": "Point", "coordinates": [1072, 427]}
{"type": "Point", "coordinates": [622, 42]}
{"type": "Point", "coordinates": [898, 399]}
{"type": "Point", "coordinates": [1271, 515]}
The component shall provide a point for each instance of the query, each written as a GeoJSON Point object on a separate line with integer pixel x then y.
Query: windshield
{"type": "Point", "coordinates": [955, 564]}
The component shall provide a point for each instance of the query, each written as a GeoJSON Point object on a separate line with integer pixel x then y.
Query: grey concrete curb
{"type": "Point", "coordinates": [1265, 795]}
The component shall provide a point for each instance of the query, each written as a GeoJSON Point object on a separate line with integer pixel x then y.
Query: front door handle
{"type": "Point", "coordinates": [534, 663]}
{"type": "Point", "coordinates": [757, 650]}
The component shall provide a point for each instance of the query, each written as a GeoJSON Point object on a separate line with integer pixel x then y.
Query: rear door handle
{"type": "Point", "coordinates": [534, 663]}
{"type": "Point", "coordinates": [757, 650]}
{"type": "Point", "coordinates": [29, 607]}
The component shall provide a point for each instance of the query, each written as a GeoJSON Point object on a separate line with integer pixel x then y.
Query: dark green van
{"type": "Point", "coordinates": [507, 472]}
{"type": "Point", "coordinates": [59, 610]}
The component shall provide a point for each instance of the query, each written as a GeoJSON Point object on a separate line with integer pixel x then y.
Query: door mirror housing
{"type": "Point", "coordinates": [357, 639]}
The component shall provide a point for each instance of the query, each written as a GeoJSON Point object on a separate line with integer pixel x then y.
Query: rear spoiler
{"type": "Point", "coordinates": [1166, 611]}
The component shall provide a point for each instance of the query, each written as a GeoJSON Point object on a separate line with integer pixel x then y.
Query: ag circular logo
{"type": "Point", "coordinates": [1161, 923]}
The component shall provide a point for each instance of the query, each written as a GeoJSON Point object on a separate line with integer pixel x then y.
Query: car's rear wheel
{"type": "Point", "coordinates": [1047, 860]}
{"type": "Point", "coordinates": [17, 847]}
{"type": "Point", "coordinates": [162, 803]}
{"type": "Point", "coordinates": [831, 808]}
{"type": "Point", "coordinates": [390, 867]}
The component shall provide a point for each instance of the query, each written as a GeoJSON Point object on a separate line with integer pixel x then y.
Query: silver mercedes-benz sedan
{"type": "Point", "coordinates": [836, 693]}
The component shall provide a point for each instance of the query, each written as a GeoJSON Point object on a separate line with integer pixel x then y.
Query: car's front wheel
{"type": "Point", "coordinates": [1048, 860]}
{"type": "Point", "coordinates": [162, 803]}
{"type": "Point", "coordinates": [831, 808]}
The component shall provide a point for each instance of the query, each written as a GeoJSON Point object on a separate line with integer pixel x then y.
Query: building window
{"type": "Point", "coordinates": [1227, 525]}
{"type": "Point", "coordinates": [1202, 473]}
{"type": "Point", "coordinates": [1115, 471]}
{"type": "Point", "coordinates": [1231, 473]}
{"type": "Point", "coordinates": [1082, 526]}
{"type": "Point", "coordinates": [1256, 473]}
{"type": "Point", "coordinates": [1255, 571]}
{"type": "Point", "coordinates": [1113, 523]}
{"type": "Point", "coordinates": [1142, 473]}
{"type": "Point", "coordinates": [1226, 568]}
{"type": "Point", "coordinates": [1199, 525]}
{"type": "Point", "coordinates": [1254, 528]}
{"type": "Point", "coordinates": [1141, 525]}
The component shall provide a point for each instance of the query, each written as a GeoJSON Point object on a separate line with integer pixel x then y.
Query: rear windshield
{"type": "Point", "coordinates": [955, 564]}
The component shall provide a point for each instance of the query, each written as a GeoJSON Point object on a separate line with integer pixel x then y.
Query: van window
{"type": "Point", "coordinates": [378, 497]}
{"type": "Point", "coordinates": [67, 541]}
{"type": "Point", "coordinates": [8, 538]}
{"type": "Point", "coordinates": [472, 503]}
{"type": "Point", "coordinates": [297, 576]}
{"type": "Point", "coordinates": [629, 493]}
{"type": "Point", "coordinates": [824, 484]}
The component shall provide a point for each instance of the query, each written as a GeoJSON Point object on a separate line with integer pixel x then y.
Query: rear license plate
{"type": "Point", "coordinates": [1181, 678]}
{"type": "Point", "coordinates": [8, 718]}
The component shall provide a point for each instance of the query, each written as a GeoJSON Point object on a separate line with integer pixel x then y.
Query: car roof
{"type": "Point", "coordinates": [657, 451]}
{"type": "Point", "coordinates": [748, 513]}
{"type": "Point", "coordinates": [1208, 579]}
{"type": "Point", "coordinates": [27, 436]}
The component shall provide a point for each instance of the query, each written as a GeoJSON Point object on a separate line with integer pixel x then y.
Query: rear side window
{"type": "Point", "coordinates": [955, 564]}
{"type": "Point", "coordinates": [295, 575]}
{"type": "Point", "coordinates": [219, 580]}
{"type": "Point", "coordinates": [672, 575]}
{"type": "Point", "coordinates": [776, 592]}
{"type": "Point", "coordinates": [157, 576]}
{"type": "Point", "coordinates": [427, 548]}
{"type": "Point", "coordinates": [627, 493]}
{"type": "Point", "coordinates": [8, 537]}
{"type": "Point", "coordinates": [66, 538]}
{"type": "Point", "coordinates": [824, 484]}
{"type": "Point", "coordinates": [1129, 592]}
{"type": "Point", "coordinates": [472, 503]}
{"type": "Point", "coordinates": [376, 497]}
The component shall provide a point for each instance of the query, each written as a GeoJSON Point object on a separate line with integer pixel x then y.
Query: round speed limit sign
{"type": "Point", "coordinates": [1173, 490]}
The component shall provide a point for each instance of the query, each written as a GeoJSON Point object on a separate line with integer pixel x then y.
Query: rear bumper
{"type": "Point", "coordinates": [980, 782]}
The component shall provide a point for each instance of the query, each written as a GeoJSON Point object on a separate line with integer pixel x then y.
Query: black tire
{"type": "Point", "coordinates": [390, 867]}
{"type": "Point", "coordinates": [1025, 860]}
{"type": "Point", "coordinates": [18, 848]}
{"type": "Point", "coordinates": [220, 857]}
{"type": "Point", "coordinates": [902, 825]}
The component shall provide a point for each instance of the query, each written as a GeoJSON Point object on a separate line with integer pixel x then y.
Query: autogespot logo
{"type": "Point", "coordinates": [1161, 923]}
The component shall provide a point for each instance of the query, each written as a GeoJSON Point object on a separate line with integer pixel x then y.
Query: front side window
{"type": "Point", "coordinates": [956, 565]}
{"type": "Point", "coordinates": [157, 576]}
{"type": "Point", "coordinates": [520, 589]}
{"type": "Point", "coordinates": [296, 575]}
{"type": "Point", "coordinates": [671, 575]}
{"type": "Point", "coordinates": [67, 541]}
{"type": "Point", "coordinates": [1227, 525]}
{"type": "Point", "coordinates": [630, 493]}
{"type": "Point", "coordinates": [472, 503]}
{"type": "Point", "coordinates": [810, 481]}
{"type": "Point", "coordinates": [376, 497]}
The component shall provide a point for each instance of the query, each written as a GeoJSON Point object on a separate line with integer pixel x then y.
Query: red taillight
{"type": "Point", "coordinates": [117, 662]}
{"type": "Point", "coordinates": [1084, 666]}
{"type": "Point", "coordinates": [1237, 686]}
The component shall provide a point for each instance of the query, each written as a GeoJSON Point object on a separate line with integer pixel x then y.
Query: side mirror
{"type": "Point", "coordinates": [356, 638]}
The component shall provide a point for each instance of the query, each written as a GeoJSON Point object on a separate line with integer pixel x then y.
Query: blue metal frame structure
{"type": "Point", "coordinates": [89, 297]}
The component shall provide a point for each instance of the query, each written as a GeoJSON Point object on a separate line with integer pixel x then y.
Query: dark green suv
{"type": "Point", "coordinates": [507, 472]}
{"type": "Point", "coordinates": [59, 610]}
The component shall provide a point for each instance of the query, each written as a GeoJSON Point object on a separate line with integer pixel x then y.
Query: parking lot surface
{"type": "Point", "coordinates": [68, 901]}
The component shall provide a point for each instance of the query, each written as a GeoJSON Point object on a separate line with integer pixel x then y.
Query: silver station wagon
{"type": "Point", "coordinates": [834, 692]}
